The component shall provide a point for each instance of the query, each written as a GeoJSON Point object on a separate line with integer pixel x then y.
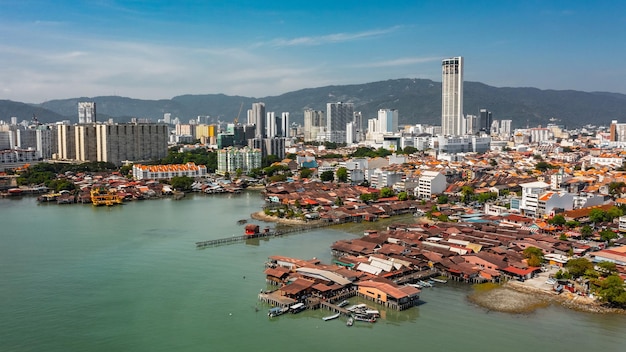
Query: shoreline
{"type": "Point", "coordinates": [518, 298]}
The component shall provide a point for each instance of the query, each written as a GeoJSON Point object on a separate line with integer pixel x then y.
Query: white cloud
{"type": "Point", "coordinates": [399, 62]}
{"type": "Point", "coordinates": [330, 38]}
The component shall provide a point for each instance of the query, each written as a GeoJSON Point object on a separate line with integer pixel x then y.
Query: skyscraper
{"type": "Point", "coordinates": [486, 119]}
{"type": "Point", "coordinates": [87, 112]}
{"type": "Point", "coordinates": [258, 117]}
{"type": "Point", "coordinates": [452, 96]}
{"type": "Point", "coordinates": [337, 116]}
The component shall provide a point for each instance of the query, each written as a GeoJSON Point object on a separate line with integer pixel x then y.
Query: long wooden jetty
{"type": "Point", "coordinates": [263, 234]}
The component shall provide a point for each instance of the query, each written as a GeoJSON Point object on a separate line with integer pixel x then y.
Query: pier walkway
{"type": "Point", "coordinates": [280, 231]}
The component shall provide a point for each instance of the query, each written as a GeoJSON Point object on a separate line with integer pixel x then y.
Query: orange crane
{"type": "Point", "coordinates": [237, 118]}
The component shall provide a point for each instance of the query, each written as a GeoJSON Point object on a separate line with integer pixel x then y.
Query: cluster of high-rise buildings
{"type": "Point", "coordinates": [243, 144]}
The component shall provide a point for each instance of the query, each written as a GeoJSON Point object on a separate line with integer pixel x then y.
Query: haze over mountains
{"type": "Point", "coordinates": [417, 100]}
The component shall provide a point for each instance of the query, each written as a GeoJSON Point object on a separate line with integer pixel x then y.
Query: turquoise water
{"type": "Point", "coordinates": [129, 278]}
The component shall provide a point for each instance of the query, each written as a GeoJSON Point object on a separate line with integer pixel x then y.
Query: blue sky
{"type": "Point", "coordinates": [153, 49]}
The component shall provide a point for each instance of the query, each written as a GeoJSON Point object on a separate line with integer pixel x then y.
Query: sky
{"type": "Point", "coordinates": [155, 49]}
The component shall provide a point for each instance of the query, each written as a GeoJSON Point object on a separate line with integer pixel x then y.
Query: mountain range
{"type": "Point", "coordinates": [417, 101]}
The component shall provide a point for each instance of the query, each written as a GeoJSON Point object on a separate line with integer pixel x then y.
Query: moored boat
{"type": "Point", "coordinates": [350, 321]}
{"type": "Point", "coordinates": [331, 317]}
{"type": "Point", "coordinates": [439, 280]}
{"type": "Point", "coordinates": [297, 308]}
{"type": "Point", "coordinates": [343, 303]}
{"type": "Point", "coordinates": [276, 311]}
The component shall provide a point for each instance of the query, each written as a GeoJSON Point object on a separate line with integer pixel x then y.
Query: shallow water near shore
{"type": "Point", "coordinates": [129, 278]}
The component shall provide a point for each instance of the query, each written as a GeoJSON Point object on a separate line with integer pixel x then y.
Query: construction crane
{"type": "Point", "coordinates": [237, 118]}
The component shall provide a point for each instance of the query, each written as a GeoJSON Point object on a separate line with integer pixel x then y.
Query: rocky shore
{"type": "Point", "coordinates": [518, 298]}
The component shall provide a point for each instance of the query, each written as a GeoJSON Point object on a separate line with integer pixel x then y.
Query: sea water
{"type": "Point", "coordinates": [129, 278]}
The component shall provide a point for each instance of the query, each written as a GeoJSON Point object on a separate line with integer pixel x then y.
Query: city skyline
{"type": "Point", "coordinates": [157, 50]}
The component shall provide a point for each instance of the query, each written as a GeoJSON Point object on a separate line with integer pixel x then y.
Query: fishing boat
{"type": "Point", "coordinates": [365, 318]}
{"type": "Point", "coordinates": [343, 303]}
{"type": "Point", "coordinates": [331, 317]}
{"type": "Point", "coordinates": [439, 280]}
{"type": "Point", "coordinates": [425, 284]}
{"type": "Point", "coordinates": [276, 311]}
{"type": "Point", "coordinates": [350, 321]}
{"type": "Point", "coordinates": [242, 221]}
{"type": "Point", "coordinates": [297, 308]}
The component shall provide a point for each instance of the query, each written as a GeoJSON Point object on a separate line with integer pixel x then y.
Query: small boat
{"type": "Point", "coordinates": [365, 318]}
{"type": "Point", "coordinates": [276, 311]}
{"type": "Point", "coordinates": [425, 284]}
{"type": "Point", "coordinates": [297, 308]}
{"type": "Point", "coordinates": [242, 221]}
{"type": "Point", "coordinates": [439, 280]}
{"type": "Point", "coordinates": [343, 303]}
{"type": "Point", "coordinates": [331, 317]}
{"type": "Point", "coordinates": [350, 321]}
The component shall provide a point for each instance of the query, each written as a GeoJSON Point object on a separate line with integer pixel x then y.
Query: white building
{"type": "Point", "coordinates": [429, 184]}
{"type": "Point", "coordinates": [531, 192]}
{"type": "Point", "coordinates": [231, 159]}
{"type": "Point", "coordinates": [452, 96]}
{"type": "Point", "coordinates": [86, 112]}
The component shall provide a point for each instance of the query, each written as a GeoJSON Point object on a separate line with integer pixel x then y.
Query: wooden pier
{"type": "Point", "coordinates": [264, 234]}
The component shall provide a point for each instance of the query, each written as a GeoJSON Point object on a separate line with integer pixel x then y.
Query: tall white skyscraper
{"type": "Point", "coordinates": [87, 112]}
{"type": "Point", "coordinates": [258, 116]}
{"type": "Point", "coordinates": [271, 125]}
{"type": "Point", "coordinates": [388, 120]}
{"type": "Point", "coordinates": [452, 96]}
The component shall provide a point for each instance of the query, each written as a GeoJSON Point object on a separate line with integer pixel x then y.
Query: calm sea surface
{"type": "Point", "coordinates": [129, 278]}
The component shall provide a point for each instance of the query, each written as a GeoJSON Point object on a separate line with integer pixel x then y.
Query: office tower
{"type": "Point", "coordinates": [86, 112]}
{"type": "Point", "coordinates": [284, 124]}
{"type": "Point", "coordinates": [387, 120]}
{"type": "Point", "coordinates": [337, 117]}
{"type": "Point", "coordinates": [452, 96]}
{"type": "Point", "coordinates": [505, 127]}
{"type": "Point", "coordinates": [486, 119]}
{"type": "Point", "coordinates": [257, 117]}
{"type": "Point", "coordinates": [271, 125]}
{"type": "Point", "coordinates": [167, 118]}
{"type": "Point", "coordinates": [314, 123]}
{"type": "Point", "coordinates": [358, 121]}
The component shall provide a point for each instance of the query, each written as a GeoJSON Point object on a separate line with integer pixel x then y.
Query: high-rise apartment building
{"type": "Point", "coordinates": [86, 112]}
{"type": "Point", "coordinates": [284, 124]}
{"type": "Point", "coordinates": [338, 115]}
{"type": "Point", "coordinates": [452, 96]}
{"type": "Point", "coordinates": [387, 120]}
{"type": "Point", "coordinates": [314, 123]}
{"type": "Point", "coordinates": [257, 116]}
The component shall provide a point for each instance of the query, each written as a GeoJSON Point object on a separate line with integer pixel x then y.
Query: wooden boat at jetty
{"type": "Point", "coordinates": [101, 196]}
{"type": "Point", "coordinates": [331, 317]}
{"type": "Point", "coordinates": [343, 303]}
{"type": "Point", "coordinates": [350, 321]}
{"type": "Point", "coordinates": [439, 280]}
{"type": "Point", "coordinates": [297, 308]}
{"type": "Point", "coordinates": [365, 318]}
{"type": "Point", "coordinates": [276, 311]}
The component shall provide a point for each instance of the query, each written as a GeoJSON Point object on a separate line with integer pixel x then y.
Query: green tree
{"type": "Point", "coordinates": [327, 176]}
{"type": "Point", "coordinates": [408, 150]}
{"type": "Point", "coordinates": [607, 235]}
{"type": "Point", "coordinates": [342, 174]}
{"type": "Point", "coordinates": [572, 224]}
{"type": "Point", "coordinates": [386, 192]}
{"type": "Point", "coordinates": [466, 194]}
{"type": "Point", "coordinates": [269, 160]}
{"type": "Point", "coordinates": [613, 213]}
{"type": "Point", "coordinates": [578, 266]}
{"type": "Point", "coordinates": [442, 199]}
{"type": "Point", "coordinates": [607, 268]}
{"type": "Point", "coordinates": [182, 183]}
{"type": "Point", "coordinates": [543, 166]}
{"type": "Point", "coordinates": [596, 215]}
{"type": "Point", "coordinates": [402, 196]}
{"type": "Point", "coordinates": [558, 220]}
{"type": "Point", "coordinates": [563, 237]}
{"type": "Point", "coordinates": [238, 172]}
{"type": "Point", "coordinates": [306, 173]}
{"type": "Point", "coordinates": [534, 256]}
{"type": "Point", "coordinates": [586, 231]}
{"type": "Point", "coordinates": [612, 291]}
{"type": "Point", "coordinates": [338, 201]}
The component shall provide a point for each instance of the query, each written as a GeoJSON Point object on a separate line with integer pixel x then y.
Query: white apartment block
{"type": "Point", "coordinates": [531, 192]}
{"type": "Point", "coordinates": [231, 159]}
{"type": "Point", "coordinates": [429, 184]}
